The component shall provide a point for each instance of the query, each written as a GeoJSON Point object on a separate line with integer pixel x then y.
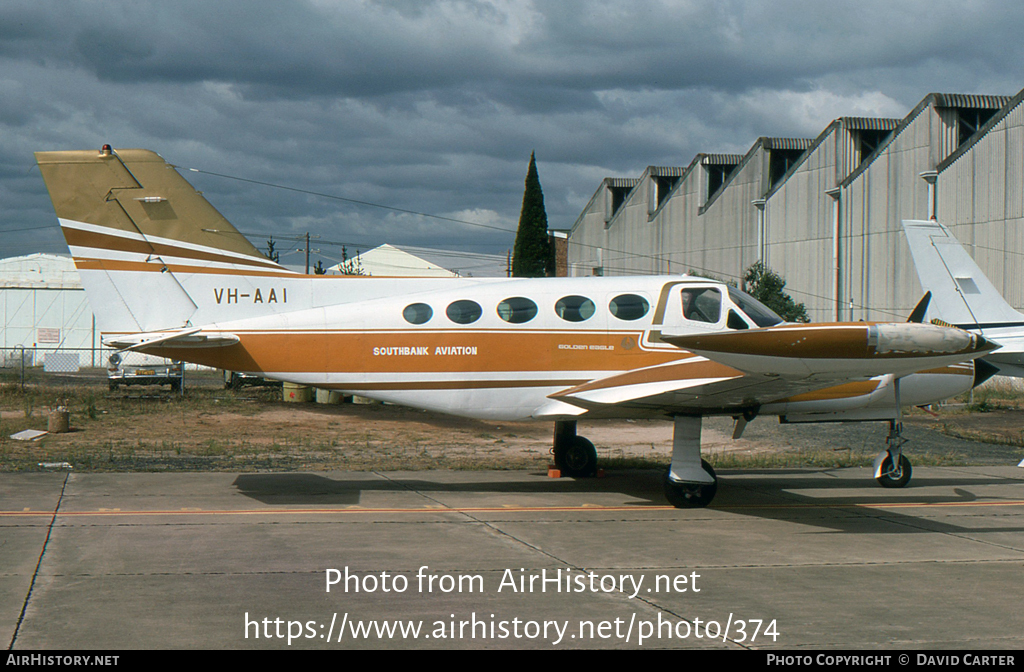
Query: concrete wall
{"type": "Point", "coordinates": [839, 207]}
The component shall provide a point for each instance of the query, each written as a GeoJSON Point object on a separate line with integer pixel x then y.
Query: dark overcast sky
{"type": "Point", "coordinates": [435, 106]}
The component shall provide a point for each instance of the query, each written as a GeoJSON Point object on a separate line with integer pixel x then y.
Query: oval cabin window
{"type": "Point", "coordinates": [574, 308]}
{"type": "Point", "coordinates": [629, 306]}
{"type": "Point", "coordinates": [417, 313]}
{"type": "Point", "coordinates": [464, 311]}
{"type": "Point", "coordinates": [517, 310]}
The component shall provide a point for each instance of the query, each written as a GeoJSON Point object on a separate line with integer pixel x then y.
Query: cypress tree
{"type": "Point", "coordinates": [532, 255]}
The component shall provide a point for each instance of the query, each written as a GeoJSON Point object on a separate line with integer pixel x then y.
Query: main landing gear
{"type": "Point", "coordinates": [575, 456]}
{"type": "Point", "coordinates": [691, 482]}
{"type": "Point", "coordinates": [892, 468]}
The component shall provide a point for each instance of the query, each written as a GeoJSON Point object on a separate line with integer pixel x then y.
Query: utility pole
{"type": "Point", "coordinates": [307, 252]}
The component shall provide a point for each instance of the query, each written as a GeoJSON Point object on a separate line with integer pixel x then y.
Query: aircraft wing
{"type": "Point", "coordinates": [193, 336]}
{"type": "Point", "coordinates": [693, 384]}
{"type": "Point", "coordinates": [743, 369]}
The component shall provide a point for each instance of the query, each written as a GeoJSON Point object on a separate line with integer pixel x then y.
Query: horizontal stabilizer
{"type": "Point", "coordinates": [192, 338]}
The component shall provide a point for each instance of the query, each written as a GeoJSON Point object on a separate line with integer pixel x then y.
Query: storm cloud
{"type": "Point", "coordinates": [434, 107]}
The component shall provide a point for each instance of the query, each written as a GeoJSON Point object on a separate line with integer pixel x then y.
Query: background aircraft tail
{"type": "Point", "coordinates": [137, 230]}
{"type": "Point", "coordinates": [961, 294]}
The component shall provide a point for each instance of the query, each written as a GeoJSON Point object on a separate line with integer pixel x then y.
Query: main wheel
{"type": "Point", "coordinates": [576, 457]}
{"type": "Point", "coordinates": [691, 495]}
{"type": "Point", "coordinates": [898, 478]}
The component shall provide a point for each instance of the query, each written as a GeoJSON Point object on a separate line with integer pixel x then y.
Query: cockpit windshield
{"type": "Point", "coordinates": [762, 315]}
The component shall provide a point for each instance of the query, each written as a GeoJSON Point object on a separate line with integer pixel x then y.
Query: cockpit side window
{"type": "Point", "coordinates": [734, 321]}
{"type": "Point", "coordinates": [702, 304]}
{"type": "Point", "coordinates": [759, 314]}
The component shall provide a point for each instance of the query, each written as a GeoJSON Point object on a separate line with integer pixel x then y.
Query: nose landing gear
{"type": "Point", "coordinates": [892, 468]}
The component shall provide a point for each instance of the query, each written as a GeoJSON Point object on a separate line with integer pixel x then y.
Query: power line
{"type": "Point", "coordinates": [31, 228]}
{"type": "Point", "coordinates": [630, 255]}
{"type": "Point", "coordinates": [388, 207]}
{"type": "Point", "coordinates": [347, 200]}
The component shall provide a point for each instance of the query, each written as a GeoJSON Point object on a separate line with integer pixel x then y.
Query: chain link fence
{"type": "Point", "coordinates": [98, 366]}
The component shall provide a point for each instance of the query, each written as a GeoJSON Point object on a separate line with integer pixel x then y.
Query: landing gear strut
{"type": "Point", "coordinates": [691, 483]}
{"type": "Point", "coordinates": [892, 468]}
{"type": "Point", "coordinates": [575, 456]}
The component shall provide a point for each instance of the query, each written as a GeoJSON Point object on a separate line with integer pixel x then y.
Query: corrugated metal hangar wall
{"type": "Point", "coordinates": [42, 304]}
{"type": "Point", "coordinates": [825, 212]}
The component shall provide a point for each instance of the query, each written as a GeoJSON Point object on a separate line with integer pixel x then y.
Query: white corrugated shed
{"type": "Point", "coordinates": [47, 271]}
{"type": "Point", "coordinates": [43, 305]}
{"type": "Point", "coordinates": [390, 261]}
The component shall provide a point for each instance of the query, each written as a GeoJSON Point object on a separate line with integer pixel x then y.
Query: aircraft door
{"type": "Point", "coordinates": [700, 306]}
{"type": "Point", "coordinates": [685, 308]}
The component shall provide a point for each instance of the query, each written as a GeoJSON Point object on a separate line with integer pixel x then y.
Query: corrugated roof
{"type": "Point", "coordinates": [788, 143]}
{"type": "Point", "coordinates": [970, 100]}
{"type": "Point", "coordinates": [667, 171]}
{"type": "Point", "coordinates": [869, 123]}
{"type": "Point", "coordinates": [722, 159]}
{"type": "Point", "coordinates": [39, 271]}
{"type": "Point", "coordinates": [628, 182]}
{"type": "Point", "coordinates": [983, 131]}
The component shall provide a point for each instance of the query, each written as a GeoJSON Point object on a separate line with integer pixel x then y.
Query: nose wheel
{"type": "Point", "coordinates": [892, 468]}
{"type": "Point", "coordinates": [894, 477]}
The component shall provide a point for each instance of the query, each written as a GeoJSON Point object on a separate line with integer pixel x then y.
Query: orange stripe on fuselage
{"type": "Point", "coordinates": [433, 352]}
{"type": "Point", "coordinates": [521, 355]}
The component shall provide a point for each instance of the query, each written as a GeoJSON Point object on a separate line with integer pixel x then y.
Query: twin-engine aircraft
{"type": "Point", "coordinates": [166, 274]}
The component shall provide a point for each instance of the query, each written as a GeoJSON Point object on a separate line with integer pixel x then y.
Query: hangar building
{"type": "Point", "coordinates": [43, 306]}
{"type": "Point", "coordinates": [825, 212]}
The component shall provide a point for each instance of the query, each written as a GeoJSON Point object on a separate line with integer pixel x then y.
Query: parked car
{"type": "Point", "coordinates": [119, 374]}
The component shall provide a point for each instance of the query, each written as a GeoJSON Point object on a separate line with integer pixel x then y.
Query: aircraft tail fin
{"type": "Point", "coordinates": [961, 295]}
{"type": "Point", "coordinates": [135, 228]}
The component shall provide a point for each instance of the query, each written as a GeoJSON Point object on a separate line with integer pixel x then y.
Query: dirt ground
{"type": "Point", "coordinates": [252, 429]}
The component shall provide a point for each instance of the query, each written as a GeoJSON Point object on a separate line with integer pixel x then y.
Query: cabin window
{"type": "Point", "coordinates": [702, 304]}
{"type": "Point", "coordinates": [629, 306]}
{"type": "Point", "coordinates": [417, 313]}
{"type": "Point", "coordinates": [735, 321]}
{"type": "Point", "coordinates": [464, 311]}
{"type": "Point", "coordinates": [517, 310]}
{"type": "Point", "coordinates": [760, 314]}
{"type": "Point", "coordinates": [574, 308]}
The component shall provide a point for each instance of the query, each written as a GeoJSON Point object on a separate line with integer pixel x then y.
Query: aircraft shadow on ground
{"type": "Point", "coordinates": [766, 494]}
